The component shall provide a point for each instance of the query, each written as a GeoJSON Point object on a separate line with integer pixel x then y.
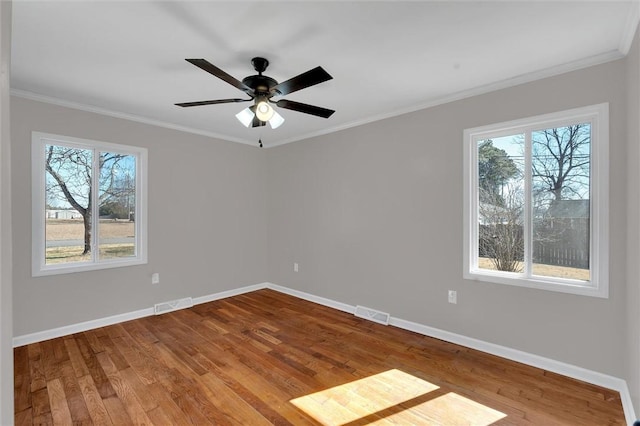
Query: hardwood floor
{"type": "Point", "coordinates": [267, 358]}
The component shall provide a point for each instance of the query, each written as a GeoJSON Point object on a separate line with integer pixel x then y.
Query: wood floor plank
{"type": "Point", "coordinates": [41, 408]}
{"type": "Point", "coordinates": [79, 367]}
{"type": "Point", "coordinates": [114, 353]}
{"type": "Point", "coordinates": [95, 405]}
{"type": "Point", "coordinates": [93, 339]}
{"type": "Point", "coordinates": [73, 394]}
{"type": "Point", "coordinates": [159, 417]}
{"type": "Point", "coordinates": [95, 370]}
{"type": "Point", "coordinates": [123, 388]}
{"type": "Point", "coordinates": [58, 402]}
{"type": "Point", "coordinates": [48, 360]}
{"type": "Point", "coordinates": [233, 407]}
{"type": "Point", "coordinates": [22, 380]}
{"type": "Point", "coordinates": [130, 377]}
{"type": "Point", "coordinates": [169, 408]}
{"type": "Point", "coordinates": [23, 418]}
{"type": "Point", "coordinates": [268, 358]}
{"type": "Point", "coordinates": [136, 355]}
{"type": "Point", "coordinates": [117, 411]}
{"type": "Point", "coordinates": [38, 380]}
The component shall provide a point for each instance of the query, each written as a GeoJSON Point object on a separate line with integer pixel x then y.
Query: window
{"type": "Point", "coordinates": [536, 202]}
{"type": "Point", "coordinates": [89, 205]}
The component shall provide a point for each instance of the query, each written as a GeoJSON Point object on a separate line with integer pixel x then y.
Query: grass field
{"type": "Point", "coordinates": [545, 270]}
{"type": "Point", "coordinates": [73, 229]}
{"type": "Point", "coordinates": [74, 253]}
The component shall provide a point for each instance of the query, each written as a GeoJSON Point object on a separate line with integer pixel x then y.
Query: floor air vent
{"type": "Point", "coordinates": [172, 305]}
{"type": "Point", "coordinates": [372, 315]}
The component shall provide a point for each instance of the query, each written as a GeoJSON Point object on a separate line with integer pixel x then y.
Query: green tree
{"type": "Point", "coordinates": [501, 208]}
{"type": "Point", "coordinates": [114, 210]}
{"type": "Point", "coordinates": [495, 170]}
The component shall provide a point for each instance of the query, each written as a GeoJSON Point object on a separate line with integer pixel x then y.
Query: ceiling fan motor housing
{"type": "Point", "coordinates": [261, 84]}
{"type": "Point", "coordinates": [259, 64]}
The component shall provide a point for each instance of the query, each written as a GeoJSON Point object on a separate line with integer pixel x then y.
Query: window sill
{"type": "Point", "coordinates": [73, 268]}
{"type": "Point", "coordinates": [582, 288]}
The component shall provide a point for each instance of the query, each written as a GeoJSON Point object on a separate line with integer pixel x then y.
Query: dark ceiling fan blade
{"type": "Point", "coordinates": [212, 69]}
{"type": "Point", "coordinates": [307, 109]}
{"type": "Point", "coordinates": [304, 80]}
{"type": "Point", "coordinates": [217, 101]}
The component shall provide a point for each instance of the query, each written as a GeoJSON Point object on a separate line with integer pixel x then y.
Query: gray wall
{"type": "Point", "coordinates": [373, 216]}
{"type": "Point", "coordinates": [633, 223]}
{"type": "Point", "coordinates": [6, 306]}
{"type": "Point", "coordinates": [206, 225]}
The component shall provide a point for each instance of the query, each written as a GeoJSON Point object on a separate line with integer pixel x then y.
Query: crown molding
{"type": "Point", "coordinates": [480, 90]}
{"type": "Point", "coordinates": [630, 28]}
{"type": "Point", "coordinates": [476, 91]}
{"type": "Point", "coordinates": [123, 115]}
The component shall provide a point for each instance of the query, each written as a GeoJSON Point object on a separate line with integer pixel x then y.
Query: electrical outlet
{"type": "Point", "coordinates": [453, 296]}
{"type": "Point", "coordinates": [295, 266]}
{"type": "Point", "coordinates": [155, 278]}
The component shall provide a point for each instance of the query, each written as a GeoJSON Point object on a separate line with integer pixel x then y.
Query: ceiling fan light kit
{"type": "Point", "coordinates": [276, 121]}
{"type": "Point", "coordinates": [264, 112]}
{"type": "Point", "coordinates": [260, 89]}
{"type": "Point", "coordinates": [245, 117]}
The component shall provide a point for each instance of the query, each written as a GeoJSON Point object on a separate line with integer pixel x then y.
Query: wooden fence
{"type": "Point", "coordinates": [559, 254]}
{"type": "Point", "coordinates": [564, 245]}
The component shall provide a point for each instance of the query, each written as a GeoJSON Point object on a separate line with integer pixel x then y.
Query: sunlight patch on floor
{"type": "Point", "coordinates": [448, 409]}
{"type": "Point", "coordinates": [393, 397]}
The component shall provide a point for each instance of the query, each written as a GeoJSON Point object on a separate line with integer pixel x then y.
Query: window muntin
{"type": "Point", "coordinates": [89, 205]}
{"type": "Point", "coordinates": [536, 203]}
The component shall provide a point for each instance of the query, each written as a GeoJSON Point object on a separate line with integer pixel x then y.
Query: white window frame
{"type": "Point", "coordinates": [598, 116]}
{"type": "Point", "coordinates": [38, 174]}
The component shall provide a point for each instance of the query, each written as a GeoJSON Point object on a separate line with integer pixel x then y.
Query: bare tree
{"type": "Point", "coordinates": [501, 236]}
{"type": "Point", "coordinates": [72, 173]}
{"type": "Point", "coordinates": [117, 189]}
{"type": "Point", "coordinates": [560, 161]}
{"type": "Point", "coordinates": [501, 206]}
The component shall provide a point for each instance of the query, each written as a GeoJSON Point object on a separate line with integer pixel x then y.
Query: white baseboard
{"type": "Point", "coordinates": [228, 293]}
{"type": "Point", "coordinates": [41, 336]}
{"type": "Point", "coordinates": [569, 370]}
{"type": "Point", "coordinates": [66, 330]}
{"type": "Point", "coordinates": [575, 372]}
{"type": "Point", "coordinates": [312, 298]}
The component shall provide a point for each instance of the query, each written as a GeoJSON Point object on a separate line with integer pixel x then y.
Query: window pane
{"type": "Point", "coordinates": [560, 164]}
{"type": "Point", "coordinates": [117, 198]}
{"type": "Point", "coordinates": [501, 203]}
{"type": "Point", "coordinates": [67, 204]}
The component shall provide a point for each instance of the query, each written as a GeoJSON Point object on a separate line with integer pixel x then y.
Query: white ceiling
{"type": "Point", "coordinates": [127, 58]}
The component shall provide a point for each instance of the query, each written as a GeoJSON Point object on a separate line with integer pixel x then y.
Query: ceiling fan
{"type": "Point", "coordinates": [261, 88]}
